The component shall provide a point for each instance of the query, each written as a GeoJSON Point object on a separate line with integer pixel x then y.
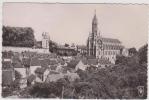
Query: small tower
{"type": "Point", "coordinates": [45, 40]}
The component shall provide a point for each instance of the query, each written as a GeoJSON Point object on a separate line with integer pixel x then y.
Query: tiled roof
{"type": "Point", "coordinates": [6, 65]}
{"type": "Point", "coordinates": [35, 61]}
{"type": "Point", "coordinates": [44, 62]}
{"type": "Point", "coordinates": [53, 62]}
{"type": "Point", "coordinates": [63, 47]}
{"type": "Point", "coordinates": [61, 61]}
{"type": "Point", "coordinates": [28, 54]}
{"type": "Point", "coordinates": [7, 77]}
{"type": "Point", "coordinates": [7, 54]}
{"type": "Point", "coordinates": [52, 55]}
{"type": "Point", "coordinates": [18, 65]}
{"type": "Point", "coordinates": [54, 77]}
{"type": "Point", "coordinates": [53, 67]}
{"type": "Point", "coordinates": [73, 63]}
{"type": "Point", "coordinates": [81, 47]}
{"type": "Point", "coordinates": [92, 61]}
{"type": "Point", "coordinates": [110, 40]}
{"type": "Point", "coordinates": [53, 72]}
{"type": "Point", "coordinates": [84, 61]}
{"type": "Point", "coordinates": [40, 70]}
{"type": "Point", "coordinates": [15, 59]}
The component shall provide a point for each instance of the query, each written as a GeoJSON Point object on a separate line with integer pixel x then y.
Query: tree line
{"type": "Point", "coordinates": [18, 36]}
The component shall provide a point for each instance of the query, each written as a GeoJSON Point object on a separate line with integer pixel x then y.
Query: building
{"type": "Point", "coordinates": [45, 40]}
{"type": "Point", "coordinates": [82, 49]}
{"type": "Point", "coordinates": [101, 47]}
{"type": "Point", "coordinates": [65, 51]}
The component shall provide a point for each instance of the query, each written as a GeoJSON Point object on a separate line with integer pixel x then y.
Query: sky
{"type": "Point", "coordinates": [71, 23]}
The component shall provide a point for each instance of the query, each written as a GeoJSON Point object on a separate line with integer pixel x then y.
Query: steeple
{"type": "Point", "coordinates": [94, 21]}
{"type": "Point", "coordinates": [94, 25]}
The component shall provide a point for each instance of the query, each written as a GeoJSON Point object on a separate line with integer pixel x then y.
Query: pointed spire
{"type": "Point", "coordinates": [95, 12]}
{"type": "Point", "coordinates": [95, 18]}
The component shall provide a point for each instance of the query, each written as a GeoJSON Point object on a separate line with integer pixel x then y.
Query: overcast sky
{"type": "Point", "coordinates": [71, 23]}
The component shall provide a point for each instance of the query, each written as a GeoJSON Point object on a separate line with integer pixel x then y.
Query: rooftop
{"type": "Point", "coordinates": [110, 40]}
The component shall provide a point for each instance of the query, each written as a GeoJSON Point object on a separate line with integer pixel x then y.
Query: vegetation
{"type": "Point", "coordinates": [52, 47]}
{"type": "Point", "coordinates": [132, 51]}
{"type": "Point", "coordinates": [143, 54]}
{"type": "Point", "coordinates": [18, 36]}
{"type": "Point", "coordinates": [118, 82]}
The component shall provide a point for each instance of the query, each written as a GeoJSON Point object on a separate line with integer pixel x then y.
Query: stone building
{"type": "Point", "coordinates": [45, 42]}
{"type": "Point", "coordinates": [101, 47]}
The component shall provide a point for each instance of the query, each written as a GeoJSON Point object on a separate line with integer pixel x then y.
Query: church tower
{"type": "Point", "coordinates": [45, 41]}
{"type": "Point", "coordinates": [94, 25]}
{"type": "Point", "coordinates": [93, 37]}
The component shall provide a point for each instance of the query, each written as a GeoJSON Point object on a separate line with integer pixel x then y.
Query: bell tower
{"type": "Point", "coordinates": [45, 40]}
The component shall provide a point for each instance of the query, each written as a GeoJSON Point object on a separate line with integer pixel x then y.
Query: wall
{"type": "Point", "coordinates": [21, 49]}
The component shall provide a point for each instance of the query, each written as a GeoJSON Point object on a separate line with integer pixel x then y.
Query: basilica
{"type": "Point", "coordinates": [101, 47]}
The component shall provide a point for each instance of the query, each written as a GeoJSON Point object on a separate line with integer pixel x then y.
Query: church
{"type": "Point", "coordinates": [101, 47]}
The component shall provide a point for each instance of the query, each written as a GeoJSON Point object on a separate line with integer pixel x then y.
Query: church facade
{"type": "Point", "coordinates": [101, 47]}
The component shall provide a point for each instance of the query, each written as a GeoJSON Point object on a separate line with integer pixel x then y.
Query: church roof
{"type": "Point", "coordinates": [110, 40]}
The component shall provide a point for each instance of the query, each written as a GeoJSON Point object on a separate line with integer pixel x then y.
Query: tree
{"type": "Point", "coordinates": [143, 54]}
{"type": "Point", "coordinates": [120, 59]}
{"type": "Point", "coordinates": [52, 47]}
{"type": "Point", "coordinates": [132, 51]}
{"type": "Point", "coordinates": [66, 45]}
{"type": "Point", "coordinates": [18, 36]}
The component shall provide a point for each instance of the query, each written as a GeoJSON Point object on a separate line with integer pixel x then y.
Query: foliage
{"type": "Point", "coordinates": [52, 47]}
{"type": "Point", "coordinates": [132, 51]}
{"type": "Point", "coordinates": [120, 59]}
{"type": "Point", "coordinates": [118, 82]}
{"type": "Point", "coordinates": [18, 36]}
{"type": "Point", "coordinates": [143, 54]}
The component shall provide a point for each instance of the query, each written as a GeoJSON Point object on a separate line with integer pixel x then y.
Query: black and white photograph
{"type": "Point", "coordinates": [74, 50]}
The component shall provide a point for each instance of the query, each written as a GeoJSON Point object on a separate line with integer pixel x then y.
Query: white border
{"type": "Point", "coordinates": [68, 1]}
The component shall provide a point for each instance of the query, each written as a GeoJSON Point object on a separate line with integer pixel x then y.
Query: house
{"type": "Point", "coordinates": [53, 67]}
{"type": "Point", "coordinates": [72, 76]}
{"type": "Point", "coordinates": [59, 68]}
{"type": "Point", "coordinates": [6, 65]}
{"type": "Point", "coordinates": [7, 77]}
{"type": "Point", "coordinates": [93, 62]}
{"type": "Point", "coordinates": [53, 62]}
{"type": "Point", "coordinates": [61, 61]}
{"type": "Point", "coordinates": [42, 73]}
{"type": "Point", "coordinates": [20, 68]}
{"type": "Point", "coordinates": [54, 76]}
{"type": "Point", "coordinates": [35, 63]}
{"type": "Point", "coordinates": [103, 63]}
{"type": "Point", "coordinates": [81, 65]}
{"type": "Point", "coordinates": [23, 83]}
{"type": "Point", "coordinates": [26, 65]}
{"type": "Point", "coordinates": [31, 79]}
{"type": "Point", "coordinates": [82, 49]}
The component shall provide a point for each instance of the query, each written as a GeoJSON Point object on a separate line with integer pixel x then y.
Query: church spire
{"type": "Point", "coordinates": [94, 25]}
{"type": "Point", "coordinates": [94, 21]}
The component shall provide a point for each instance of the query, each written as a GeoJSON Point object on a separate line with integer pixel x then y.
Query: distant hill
{"type": "Point", "coordinates": [18, 36]}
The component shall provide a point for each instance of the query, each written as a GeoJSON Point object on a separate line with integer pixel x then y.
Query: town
{"type": "Point", "coordinates": [103, 68]}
